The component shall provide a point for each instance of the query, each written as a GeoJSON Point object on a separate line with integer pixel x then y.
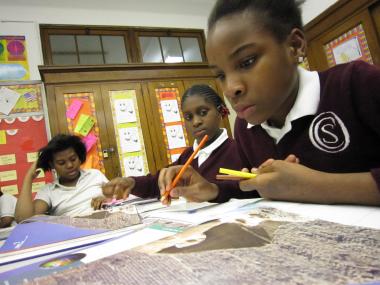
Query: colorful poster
{"type": "Point", "coordinates": [348, 47]}
{"type": "Point", "coordinates": [13, 58]}
{"type": "Point", "coordinates": [22, 133]}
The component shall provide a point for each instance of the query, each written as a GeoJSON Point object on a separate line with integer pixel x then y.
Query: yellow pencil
{"type": "Point", "coordinates": [235, 173]}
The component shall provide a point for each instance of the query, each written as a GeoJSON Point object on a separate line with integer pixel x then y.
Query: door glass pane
{"type": "Point", "coordinates": [114, 49]}
{"type": "Point", "coordinates": [63, 49]}
{"type": "Point", "coordinates": [171, 49]}
{"type": "Point", "coordinates": [90, 50]}
{"type": "Point", "coordinates": [150, 49]}
{"type": "Point", "coordinates": [191, 50]}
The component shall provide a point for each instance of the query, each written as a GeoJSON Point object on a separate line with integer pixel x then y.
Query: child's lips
{"type": "Point", "coordinates": [199, 133]}
{"type": "Point", "coordinates": [243, 111]}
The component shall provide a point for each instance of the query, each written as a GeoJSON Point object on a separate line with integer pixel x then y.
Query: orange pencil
{"type": "Point", "coordinates": [180, 173]}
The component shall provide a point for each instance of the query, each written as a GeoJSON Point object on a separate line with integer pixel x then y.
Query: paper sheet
{"type": "Point", "coordinates": [170, 111]}
{"type": "Point", "coordinates": [8, 99]}
{"type": "Point", "coordinates": [73, 109]}
{"type": "Point", "coordinates": [176, 137]}
{"type": "Point", "coordinates": [129, 139]}
{"type": "Point", "coordinates": [124, 111]}
{"type": "Point", "coordinates": [134, 165]}
{"type": "Point", "coordinates": [7, 159]}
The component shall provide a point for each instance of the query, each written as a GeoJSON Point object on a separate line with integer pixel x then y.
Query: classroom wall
{"type": "Point", "coordinates": [20, 17]}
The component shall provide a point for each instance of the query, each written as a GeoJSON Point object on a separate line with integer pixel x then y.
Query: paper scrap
{"type": "Point", "coordinates": [89, 141]}
{"type": "Point", "coordinates": [8, 99]}
{"type": "Point", "coordinates": [10, 189]}
{"type": "Point", "coordinates": [8, 175]}
{"type": "Point", "coordinates": [37, 186]}
{"type": "Point", "coordinates": [84, 125]}
{"type": "Point", "coordinates": [7, 159]}
{"type": "Point", "coordinates": [73, 109]}
{"type": "Point", "coordinates": [31, 156]}
{"type": "Point", "coordinates": [3, 137]}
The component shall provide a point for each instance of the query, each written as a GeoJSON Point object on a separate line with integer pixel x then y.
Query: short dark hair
{"type": "Point", "coordinates": [59, 143]}
{"type": "Point", "coordinates": [209, 94]}
{"type": "Point", "coordinates": [279, 17]}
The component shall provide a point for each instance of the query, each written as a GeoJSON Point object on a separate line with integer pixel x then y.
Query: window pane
{"type": "Point", "coordinates": [150, 49]}
{"type": "Point", "coordinates": [171, 49]}
{"type": "Point", "coordinates": [63, 49]}
{"type": "Point", "coordinates": [90, 51]}
{"type": "Point", "coordinates": [114, 49]}
{"type": "Point", "coordinates": [191, 50]}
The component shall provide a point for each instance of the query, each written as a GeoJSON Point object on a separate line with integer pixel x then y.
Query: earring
{"type": "Point", "coordinates": [300, 59]}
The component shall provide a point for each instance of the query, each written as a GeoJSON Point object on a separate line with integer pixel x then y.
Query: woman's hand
{"type": "Point", "coordinates": [119, 187]}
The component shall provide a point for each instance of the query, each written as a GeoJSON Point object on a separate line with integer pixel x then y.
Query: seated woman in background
{"type": "Point", "coordinates": [71, 194]}
{"type": "Point", "coordinates": [203, 111]}
{"type": "Point", "coordinates": [7, 209]}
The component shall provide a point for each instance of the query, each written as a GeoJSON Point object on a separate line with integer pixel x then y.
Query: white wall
{"type": "Point", "coordinates": [21, 17]}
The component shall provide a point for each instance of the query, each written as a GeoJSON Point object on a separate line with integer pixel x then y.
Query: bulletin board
{"type": "Point", "coordinates": [129, 137]}
{"type": "Point", "coordinates": [173, 126]}
{"type": "Point", "coordinates": [23, 131]}
{"type": "Point", "coordinates": [81, 121]}
{"type": "Point", "coordinates": [350, 46]}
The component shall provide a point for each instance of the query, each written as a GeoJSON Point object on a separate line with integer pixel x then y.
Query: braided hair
{"type": "Point", "coordinates": [209, 94]}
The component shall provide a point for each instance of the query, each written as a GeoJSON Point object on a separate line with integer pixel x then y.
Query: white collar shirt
{"type": "Point", "coordinates": [205, 152]}
{"type": "Point", "coordinates": [306, 104]}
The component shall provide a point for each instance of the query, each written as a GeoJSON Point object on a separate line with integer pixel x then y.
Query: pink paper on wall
{"type": "Point", "coordinates": [89, 141]}
{"type": "Point", "coordinates": [74, 108]}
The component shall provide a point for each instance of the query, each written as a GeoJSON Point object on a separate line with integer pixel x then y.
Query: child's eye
{"type": "Point", "coordinates": [220, 76]}
{"type": "Point", "coordinates": [248, 62]}
{"type": "Point", "coordinates": [188, 117]}
{"type": "Point", "coordinates": [203, 112]}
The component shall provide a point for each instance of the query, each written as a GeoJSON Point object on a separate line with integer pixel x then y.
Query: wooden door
{"type": "Point", "coordinates": [126, 111]}
{"type": "Point", "coordinates": [89, 97]}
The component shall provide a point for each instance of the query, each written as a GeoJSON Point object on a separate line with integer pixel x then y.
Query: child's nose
{"type": "Point", "coordinates": [234, 88]}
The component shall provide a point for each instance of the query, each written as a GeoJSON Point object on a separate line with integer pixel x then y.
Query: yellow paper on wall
{"type": "Point", "coordinates": [3, 138]}
{"type": "Point", "coordinates": [31, 156]}
{"type": "Point", "coordinates": [8, 175]}
{"type": "Point", "coordinates": [84, 125]}
{"type": "Point", "coordinates": [10, 189]}
{"type": "Point", "coordinates": [41, 174]}
{"type": "Point", "coordinates": [7, 159]}
{"type": "Point", "coordinates": [37, 186]}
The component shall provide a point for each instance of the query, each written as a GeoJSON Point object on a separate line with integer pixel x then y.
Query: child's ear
{"type": "Point", "coordinates": [298, 44]}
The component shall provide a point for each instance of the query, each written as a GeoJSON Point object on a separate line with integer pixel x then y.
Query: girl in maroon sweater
{"type": "Point", "coordinates": [203, 111]}
{"type": "Point", "coordinates": [329, 121]}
